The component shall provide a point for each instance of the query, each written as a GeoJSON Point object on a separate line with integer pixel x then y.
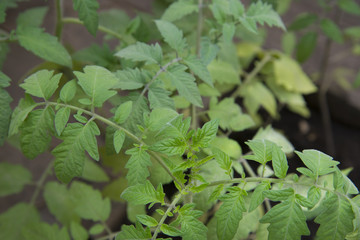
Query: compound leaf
{"type": "Point", "coordinates": [5, 108]}
{"type": "Point", "coordinates": [89, 203]}
{"type": "Point", "coordinates": [137, 165]}
{"type": "Point", "coordinates": [151, 54]}
{"type": "Point", "coordinates": [336, 221]}
{"type": "Point", "coordinates": [171, 146]}
{"type": "Point", "coordinates": [43, 45]}
{"type": "Point", "coordinates": [179, 9]}
{"type": "Point", "coordinates": [41, 84]}
{"type": "Point", "coordinates": [287, 221]}
{"type": "Point", "coordinates": [13, 178]}
{"type": "Point", "coordinates": [261, 13]}
{"type": "Point", "coordinates": [172, 35]}
{"type": "Point", "coordinates": [143, 194]}
{"type": "Point", "coordinates": [87, 14]}
{"type": "Point", "coordinates": [96, 82]}
{"type": "Point", "coordinates": [130, 79]}
{"type": "Point", "coordinates": [230, 213]}
{"type": "Point", "coordinates": [317, 162]}
{"type": "Point", "coordinates": [160, 98]}
{"type": "Point", "coordinates": [36, 132]}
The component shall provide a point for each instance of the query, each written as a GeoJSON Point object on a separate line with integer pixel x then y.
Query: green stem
{"type": "Point", "coordinates": [100, 28]}
{"type": "Point", "coordinates": [162, 220]}
{"type": "Point", "coordinates": [108, 237]}
{"type": "Point", "coordinates": [253, 73]}
{"type": "Point", "coordinates": [247, 167]}
{"type": "Point", "coordinates": [107, 229]}
{"type": "Point", "coordinates": [59, 23]}
{"type": "Point", "coordinates": [40, 183]}
{"type": "Point", "coordinates": [116, 126]}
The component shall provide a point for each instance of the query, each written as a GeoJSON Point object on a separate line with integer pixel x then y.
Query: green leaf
{"type": "Point", "coordinates": [287, 221]}
{"type": "Point", "coordinates": [169, 230]}
{"type": "Point", "coordinates": [223, 72]}
{"type": "Point", "coordinates": [279, 162]}
{"type": "Point", "coordinates": [279, 195]}
{"type": "Point", "coordinates": [94, 172]}
{"type": "Point", "coordinates": [223, 160]}
{"type": "Point", "coordinates": [258, 197]}
{"type": "Point", "coordinates": [276, 137]}
{"type": "Point", "coordinates": [228, 31]}
{"type": "Point", "coordinates": [261, 13]}
{"type": "Point", "coordinates": [4, 5]}
{"type": "Point", "coordinates": [130, 79]}
{"type": "Point", "coordinates": [170, 146]}
{"type": "Point", "coordinates": [20, 113]}
{"type": "Point", "coordinates": [288, 43]}
{"type": "Point", "coordinates": [5, 108]}
{"type": "Point", "coordinates": [306, 46]}
{"type": "Point", "coordinates": [61, 119]}
{"type": "Point", "coordinates": [206, 134]}
{"type": "Point", "coordinates": [151, 54]}
{"type": "Point", "coordinates": [43, 45]}
{"type": "Point", "coordinates": [147, 220]}
{"type": "Point", "coordinates": [119, 138]}
{"type": "Point", "coordinates": [262, 150]}
{"type": "Point", "coordinates": [68, 91]}
{"type": "Point", "coordinates": [69, 155]}
{"type": "Point", "coordinates": [96, 229]}
{"type": "Point", "coordinates": [60, 203]}
{"type": "Point", "coordinates": [41, 84]}
{"type": "Point", "coordinates": [96, 82]}
{"type": "Point", "coordinates": [331, 30]}
{"type": "Point", "coordinates": [197, 66]}
{"type": "Point", "coordinates": [96, 55]}
{"type": "Point", "coordinates": [36, 132]}
{"type": "Point", "coordinates": [89, 203]}
{"type": "Point", "coordinates": [13, 178]}
{"type": "Point", "coordinates": [230, 115]}
{"type": "Point", "coordinates": [123, 112]}
{"type": "Point", "coordinates": [78, 232]}
{"type": "Point", "coordinates": [14, 219]}
{"type": "Point", "coordinates": [33, 17]}
{"type": "Point", "coordinates": [227, 145]}
{"type": "Point", "coordinates": [160, 98]}
{"type": "Point", "coordinates": [256, 93]}
{"type": "Point", "coordinates": [336, 221]}
{"type": "Point", "coordinates": [349, 6]}
{"type": "Point", "coordinates": [45, 231]}
{"type": "Point", "coordinates": [317, 162]}
{"type": "Point", "coordinates": [172, 35]}
{"type": "Point", "coordinates": [179, 9]}
{"type": "Point", "coordinates": [185, 84]}
{"type": "Point", "coordinates": [289, 74]}
{"type": "Point", "coordinates": [302, 21]}
{"type": "Point", "coordinates": [87, 14]}
{"type": "Point", "coordinates": [230, 213]}
{"type": "Point", "coordinates": [137, 165]}
{"type": "Point", "coordinates": [143, 194]}
{"type": "Point", "coordinates": [130, 232]}
{"type": "Point", "coordinates": [191, 227]}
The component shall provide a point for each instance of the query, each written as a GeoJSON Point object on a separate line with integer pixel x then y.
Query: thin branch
{"type": "Point", "coordinates": [100, 28]}
{"type": "Point", "coordinates": [40, 183]}
{"type": "Point", "coordinates": [162, 220]}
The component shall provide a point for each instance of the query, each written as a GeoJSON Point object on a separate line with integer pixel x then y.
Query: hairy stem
{"type": "Point", "coordinates": [162, 220]}
{"type": "Point", "coordinates": [59, 15]}
{"type": "Point", "coordinates": [40, 183]}
{"type": "Point", "coordinates": [100, 28]}
{"type": "Point", "coordinates": [116, 126]}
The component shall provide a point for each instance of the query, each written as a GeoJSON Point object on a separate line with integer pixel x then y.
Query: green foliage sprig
{"type": "Point", "coordinates": [156, 93]}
